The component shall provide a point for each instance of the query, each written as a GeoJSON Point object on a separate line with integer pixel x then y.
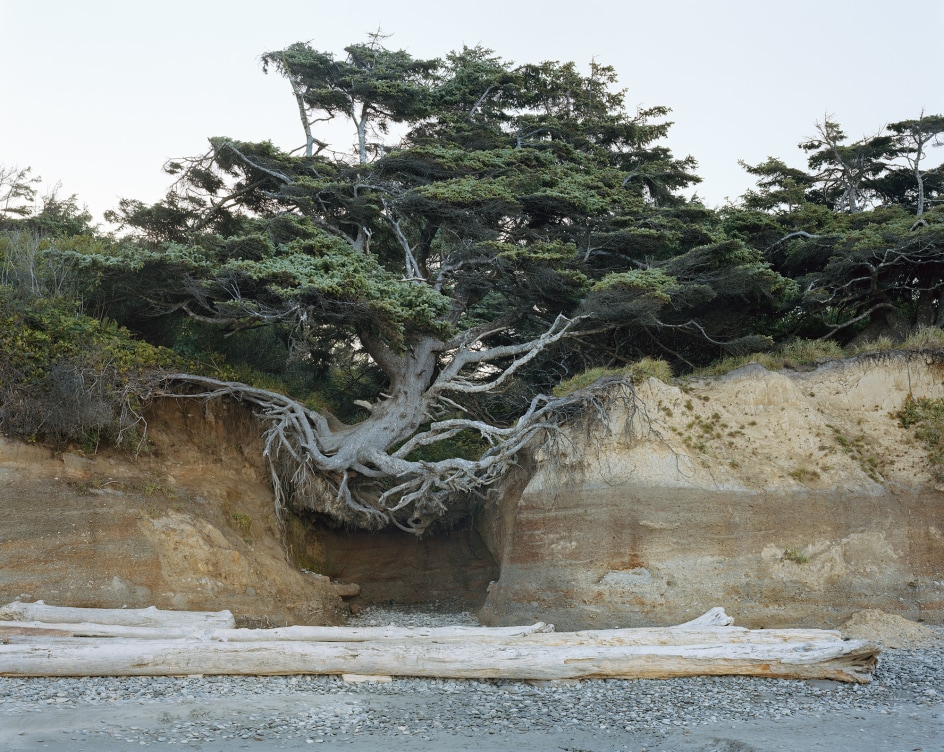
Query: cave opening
{"type": "Point", "coordinates": [448, 569]}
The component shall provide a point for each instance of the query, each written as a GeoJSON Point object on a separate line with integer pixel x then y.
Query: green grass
{"type": "Point", "coordinates": [925, 338]}
{"type": "Point", "coordinates": [634, 372]}
{"type": "Point", "coordinates": [795, 555]}
{"type": "Point", "coordinates": [795, 354]}
{"type": "Point", "coordinates": [926, 417]}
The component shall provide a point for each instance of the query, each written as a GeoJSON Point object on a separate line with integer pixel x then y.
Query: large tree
{"type": "Point", "coordinates": [486, 212]}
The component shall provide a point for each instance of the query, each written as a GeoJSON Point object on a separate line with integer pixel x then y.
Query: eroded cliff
{"type": "Point", "coordinates": [187, 523]}
{"type": "Point", "coordinates": [790, 498]}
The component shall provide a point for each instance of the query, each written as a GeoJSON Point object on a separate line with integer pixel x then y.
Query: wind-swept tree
{"type": "Point", "coordinates": [482, 210]}
{"type": "Point", "coordinates": [847, 230]}
{"type": "Point", "coordinates": [845, 171]}
{"type": "Point", "coordinates": [913, 184]}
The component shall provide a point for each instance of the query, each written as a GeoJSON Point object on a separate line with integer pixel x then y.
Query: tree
{"type": "Point", "coordinates": [911, 141]}
{"type": "Point", "coordinates": [17, 192]}
{"type": "Point", "coordinates": [514, 203]}
{"type": "Point", "coordinates": [846, 231]}
{"type": "Point", "coordinates": [845, 170]}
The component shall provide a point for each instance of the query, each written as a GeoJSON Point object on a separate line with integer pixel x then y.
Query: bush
{"type": "Point", "coordinates": [65, 376]}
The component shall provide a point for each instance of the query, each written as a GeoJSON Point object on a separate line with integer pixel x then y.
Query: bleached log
{"type": "Point", "coordinates": [851, 661]}
{"type": "Point", "coordinates": [526, 635]}
{"type": "Point", "coordinates": [713, 617]}
{"type": "Point", "coordinates": [707, 645]}
{"type": "Point", "coordinates": [298, 633]}
{"type": "Point", "coordinates": [130, 617]}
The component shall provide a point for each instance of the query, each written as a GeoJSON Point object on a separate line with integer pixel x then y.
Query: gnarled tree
{"type": "Point", "coordinates": [447, 259]}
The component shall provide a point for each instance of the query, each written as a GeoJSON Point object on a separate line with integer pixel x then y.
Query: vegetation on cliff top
{"type": "Point", "coordinates": [407, 315]}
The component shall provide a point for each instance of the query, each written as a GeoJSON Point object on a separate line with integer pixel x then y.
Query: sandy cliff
{"type": "Point", "coordinates": [789, 498]}
{"type": "Point", "coordinates": [187, 524]}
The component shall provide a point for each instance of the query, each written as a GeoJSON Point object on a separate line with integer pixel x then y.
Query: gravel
{"type": "Point", "coordinates": [316, 709]}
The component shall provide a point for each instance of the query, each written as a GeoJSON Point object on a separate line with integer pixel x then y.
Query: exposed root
{"type": "Point", "coordinates": [334, 472]}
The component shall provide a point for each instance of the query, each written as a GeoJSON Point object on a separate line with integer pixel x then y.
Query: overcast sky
{"type": "Point", "coordinates": [97, 94]}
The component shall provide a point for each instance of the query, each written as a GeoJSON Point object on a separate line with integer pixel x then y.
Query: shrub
{"type": "Point", "coordinates": [65, 376]}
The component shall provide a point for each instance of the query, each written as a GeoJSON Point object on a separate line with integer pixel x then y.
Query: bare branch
{"type": "Point", "coordinates": [523, 353]}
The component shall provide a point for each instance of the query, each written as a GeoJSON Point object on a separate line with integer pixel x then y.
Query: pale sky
{"type": "Point", "coordinates": [98, 94]}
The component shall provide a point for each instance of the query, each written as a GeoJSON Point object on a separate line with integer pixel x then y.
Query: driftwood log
{"type": "Point", "coordinates": [129, 617]}
{"type": "Point", "coordinates": [706, 646]}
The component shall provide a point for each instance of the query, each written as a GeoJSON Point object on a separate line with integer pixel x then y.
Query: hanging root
{"type": "Point", "coordinates": [374, 488]}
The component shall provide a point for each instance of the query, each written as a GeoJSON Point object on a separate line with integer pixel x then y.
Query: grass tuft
{"type": "Point", "coordinates": [926, 416]}
{"type": "Point", "coordinates": [925, 338]}
{"type": "Point", "coordinates": [635, 372]}
{"type": "Point", "coordinates": [795, 354]}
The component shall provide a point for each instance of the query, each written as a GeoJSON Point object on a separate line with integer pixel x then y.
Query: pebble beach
{"type": "Point", "coordinates": [906, 698]}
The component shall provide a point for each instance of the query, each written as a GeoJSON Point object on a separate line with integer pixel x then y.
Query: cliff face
{"type": "Point", "coordinates": [788, 498]}
{"type": "Point", "coordinates": [187, 524]}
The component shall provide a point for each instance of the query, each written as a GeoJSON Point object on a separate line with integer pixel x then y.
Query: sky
{"type": "Point", "coordinates": [96, 95]}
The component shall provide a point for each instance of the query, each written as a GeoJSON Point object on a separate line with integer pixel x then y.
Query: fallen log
{"type": "Point", "coordinates": [704, 646]}
{"type": "Point", "coordinates": [298, 633]}
{"type": "Point", "coordinates": [851, 661]}
{"type": "Point", "coordinates": [129, 617]}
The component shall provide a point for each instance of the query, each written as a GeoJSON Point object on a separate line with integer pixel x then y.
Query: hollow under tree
{"type": "Point", "coordinates": [449, 258]}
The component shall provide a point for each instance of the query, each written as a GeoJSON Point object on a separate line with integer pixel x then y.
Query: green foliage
{"type": "Point", "coordinates": [67, 376]}
{"type": "Point", "coordinates": [846, 231]}
{"type": "Point", "coordinates": [512, 191]}
{"type": "Point", "coordinates": [653, 283]}
{"type": "Point", "coordinates": [926, 417]}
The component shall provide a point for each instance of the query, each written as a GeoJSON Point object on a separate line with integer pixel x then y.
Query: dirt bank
{"type": "Point", "coordinates": [792, 498]}
{"type": "Point", "coordinates": [187, 523]}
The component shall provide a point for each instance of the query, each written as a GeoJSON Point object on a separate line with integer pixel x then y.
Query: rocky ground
{"type": "Point", "coordinates": [902, 709]}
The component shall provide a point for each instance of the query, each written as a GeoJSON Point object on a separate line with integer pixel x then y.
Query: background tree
{"type": "Point", "coordinates": [913, 185]}
{"type": "Point", "coordinates": [847, 232]}
{"type": "Point", "coordinates": [845, 171]}
{"type": "Point", "coordinates": [17, 192]}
